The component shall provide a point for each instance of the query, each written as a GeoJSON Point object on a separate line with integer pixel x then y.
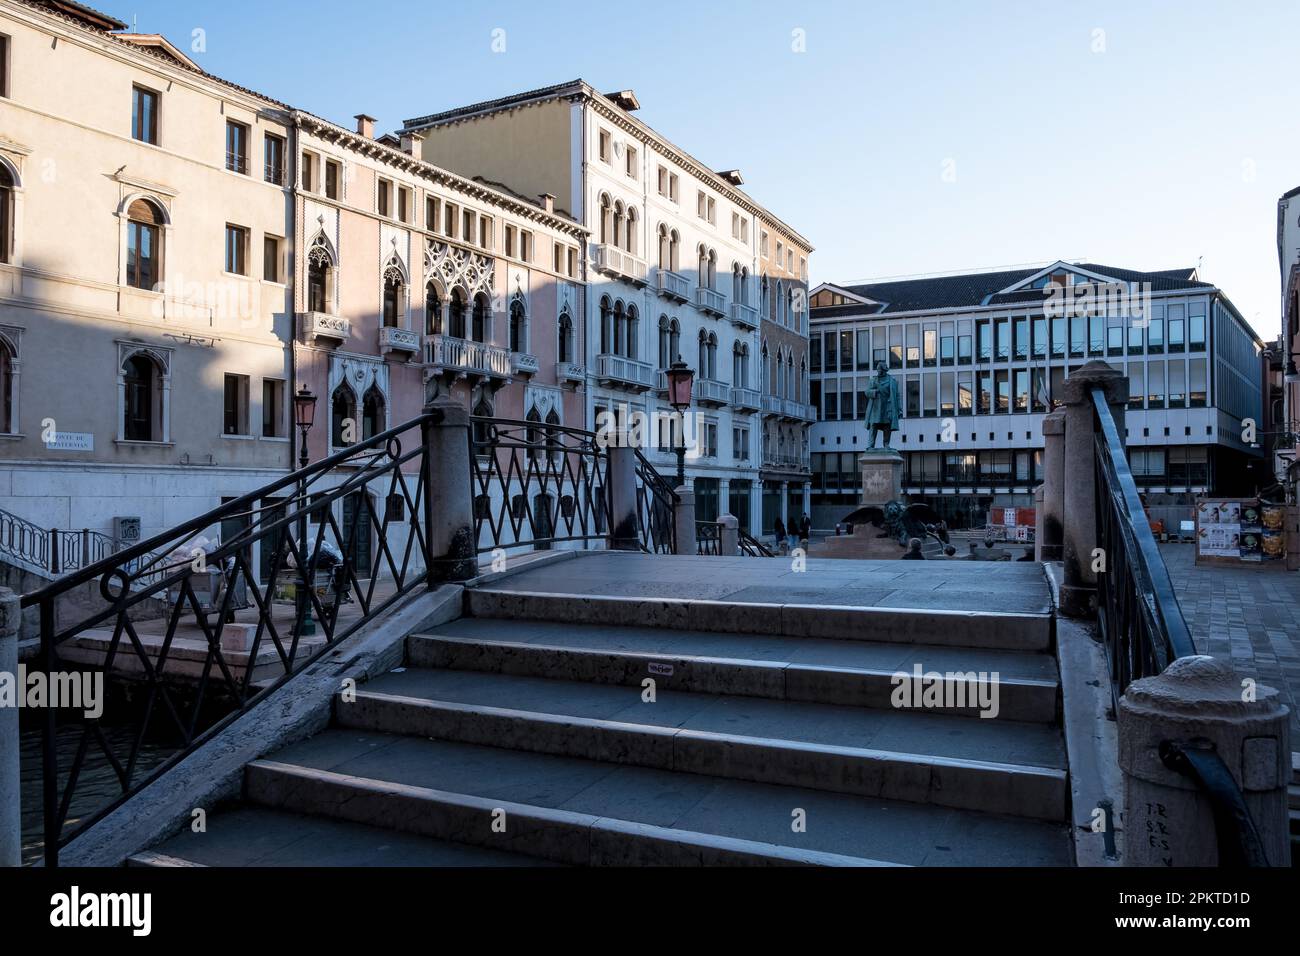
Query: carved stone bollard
{"type": "Point", "coordinates": [684, 521]}
{"type": "Point", "coordinates": [449, 506]}
{"type": "Point", "coordinates": [728, 535]}
{"type": "Point", "coordinates": [1197, 714]}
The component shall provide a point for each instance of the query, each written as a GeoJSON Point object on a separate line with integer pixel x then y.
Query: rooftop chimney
{"type": "Point", "coordinates": [624, 99]}
{"type": "Point", "coordinates": [732, 176]}
{"type": "Point", "coordinates": [547, 202]}
{"type": "Point", "coordinates": [411, 143]}
{"type": "Point", "coordinates": [365, 126]}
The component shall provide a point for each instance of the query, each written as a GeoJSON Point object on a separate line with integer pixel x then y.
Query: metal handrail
{"type": "Point", "coordinates": [1141, 623]}
{"type": "Point", "coordinates": [752, 547]}
{"type": "Point", "coordinates": [185, 709]}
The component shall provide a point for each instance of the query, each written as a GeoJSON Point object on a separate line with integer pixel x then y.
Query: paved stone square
{"type": "Point", "coordinates": [1248, 615]}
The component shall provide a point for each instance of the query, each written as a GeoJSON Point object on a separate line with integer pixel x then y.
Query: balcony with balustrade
{"type": "Point", "coordinates": [619, 371]}
{"type": "Point", "coordinates": [321, 327]}
{"type": "Point", "coordinates": [619, 263]}
{"type": "Point", "coordinates": [744, 316]}
{"type": "Point", "coordinates": [570, 373]}
{"type": "Point", "coordinates": [745, 399]}
{"type": "Point", "coordinates": [522, 363]}
{"type": "Point", "coordinates": [462, 357]}
{"type": "Point", "coordinates": [711, 301]}
{"type": "Point", "coordinates": [709, 392]}
{"type": "Point", "coordinates": [393, 339]}
{"type": "Point", "coordinates": [673, 285]}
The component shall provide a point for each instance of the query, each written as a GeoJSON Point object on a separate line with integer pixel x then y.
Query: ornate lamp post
{"type": "Point", "coordinates": [304, 416]}
{"type": "Point", "coordinates": [679, 397]}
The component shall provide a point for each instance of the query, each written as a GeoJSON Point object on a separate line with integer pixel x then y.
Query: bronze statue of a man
{"type": "Point", "coordinates": [882, 405]}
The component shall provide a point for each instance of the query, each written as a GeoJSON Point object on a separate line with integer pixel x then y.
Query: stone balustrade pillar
{"type": "Point", "coordinates": [1200, 704]}
{"type": "Point", "coordinates": [448, 501]}
{"type": "Point", "coordinates": [684, 521]}
{"type": "Point", "coordinates": [1079, 590]}
{"type": "Point", "coordinates": [728, 535]}
{"type": "Point", "coordinates": [621, 482]}
{"type": "Point", "coordinates": [1051, 509]}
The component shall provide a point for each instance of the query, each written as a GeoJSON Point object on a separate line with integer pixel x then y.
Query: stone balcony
{"type": "Point", "coordinates": [745, 399]}
{"type": "Point", "coordinates": [618, 371]}
{"type": "Point", "coordinates": [673, 285]}
{"type": "Point", "coordinates": [771, 405]}
{"type": "Point", "coordinates": [798, 411]}
{"type": "Point", "coordinates": [521, 363]}
{"type": "Point", "coordinates": [744, 316]}
{"type": "Point", "coordinates": [323, 327]}
{"type": "Point", "coordinates": [615, 262]}
{"type": "Point", "coordinates": [709, 392]}
{"type": "Point", "coordinates": [392, 339]}
{"type": "Point", "coordinates": [707, 300]}
{"type": "Point", "coordinates": [447, 353]}
{"type": "Point", "coordinates": [570, 373]}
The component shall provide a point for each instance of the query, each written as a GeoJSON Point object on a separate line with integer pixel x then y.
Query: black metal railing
{"type": "Point", "coordinates": [537, 485]}
{"type": "Point", "coordinates": [1141, 624]}
{"type": "Point", "coordinates": [752, 547]}
{"type": "Point", "coordinates": [54, 551]}
{"type": "Point", "coordinates": [347, 531]}
{"type": "Point", "coordinates": [708, 538]}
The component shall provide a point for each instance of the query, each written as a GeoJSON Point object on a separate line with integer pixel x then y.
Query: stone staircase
{"type": "Point", "coordinates": [526, 732]}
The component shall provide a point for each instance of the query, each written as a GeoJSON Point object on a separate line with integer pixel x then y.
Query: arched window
{"type": "Point", "coordinates": [394, 293]}
{"type": "Point", "coordinates": [674, 341]}
{"type": "Point", "coordinates": [7, 424]}
{"type": "Point", "coordinates": [6, 214]}
{"type": "Point", "coordinates": [740, 365]}
{"type": "Point", "coordinates": [620, 328]}
{"type": "Point", "coordinates": [703, 357]}
{"type": "Point", "coordinates": [789, 307]}
{"type": "Point", "coordinates": [456, 315]}
{"type": "Point", "coordinates": [532, 433]}
{"type": "Point", "coordinates": [736, 294]}
{"type": "Point", "coordinates": [482, 319]}
{"type": "Point", "coordinates": [674, 249]}
{"type": "Point", "coordinates": [764, 379]}
{"type": "Point", "coordinates": [665, 342]}
{"type": "Point", "coordinates": [482, 412]}
{"type": "Point", "coordinates": [343, 416]}
{"type": "Point", "coordinates": [665, 249]}
{"type": "Point", "coordinates": [744, 285]}
{"type": "Point", "coordinates": [629, 236]}
{"type": "Point", "coordinates": [803, 375]}
{"type": "Point", "coordinates": [142, 418]}
{"type": "Point", "coordinates": [702, 263]}
{"type": "Point", "coordinates": [553, 447]}
{"type": "Point", "coordinates": [780, 302]}
{"type": "Point", "coordinates": [143, 244]}
{"type": "Point", "coordinates": [713, 269]}
{"type": "Point", "coordinates": [606, 321]}
{"type": "Point", "coordinates": [565, 344]}
{"type": "Point", "coordinates": [617, 235]}
{"type": "Point", "coordinates": [713, 357]}
{"type": "Point", "coordinates": [518, 325]}
{"type": "Point", "coordinates": [320, 262]}
{"type": "Point", "coordinates": [372, 413]}
{"type": "Point", "coordinates": [632, 332]}
{"type": "Point", "coordinates": [432, 310]}
{"type": "Point", "coordinates": [606, 218]}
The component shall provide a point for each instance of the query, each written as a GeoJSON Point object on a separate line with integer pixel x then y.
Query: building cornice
{"type": "Point", "coordinates": [373, 149]}
{"type": "Point", "coordinates": [579, 91]}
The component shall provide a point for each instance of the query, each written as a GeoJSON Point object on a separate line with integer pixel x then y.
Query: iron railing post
{"type": "Point", "coordinates": [621, 481]}
{"type": "Point", "coordinates": [54, 551]}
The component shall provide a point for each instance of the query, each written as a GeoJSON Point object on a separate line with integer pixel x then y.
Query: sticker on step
{"type": "Point", "coordinates": [662, 670]}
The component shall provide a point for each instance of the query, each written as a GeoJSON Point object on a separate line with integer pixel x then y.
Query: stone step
{"type": "Point", "coordinates": [576, 811]}
{"type": "Point", "coordinates": [990, 765]}
{"type": "Point", "coordinates": [990, 629]}
{"type": "Point", "coordinates": [855, 673]}
{"type": "Point", "coordinates": [257, 836]}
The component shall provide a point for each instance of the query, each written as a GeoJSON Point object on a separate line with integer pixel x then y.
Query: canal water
{"type": "Point", "coordinates": [97, 784]}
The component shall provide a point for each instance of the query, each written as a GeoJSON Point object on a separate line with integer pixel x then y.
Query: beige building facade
{"type": "Point", "coordinates": [142, 345]}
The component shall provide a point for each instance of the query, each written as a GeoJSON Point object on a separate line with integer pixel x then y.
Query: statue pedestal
{"type": "Point", "coordinates": [882, 476]}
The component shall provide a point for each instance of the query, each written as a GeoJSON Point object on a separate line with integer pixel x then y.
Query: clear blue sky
{"type": "Point", "coordinates": [1164, 139]}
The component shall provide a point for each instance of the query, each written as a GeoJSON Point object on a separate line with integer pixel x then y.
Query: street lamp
{"type": "Point", "coordinates": [679, 397]}
{"type": "Point", "coordinates": [304, 415]}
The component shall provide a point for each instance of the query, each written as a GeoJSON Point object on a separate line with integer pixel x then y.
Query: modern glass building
{"type": "Point", "coordinates": [980, 358]}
